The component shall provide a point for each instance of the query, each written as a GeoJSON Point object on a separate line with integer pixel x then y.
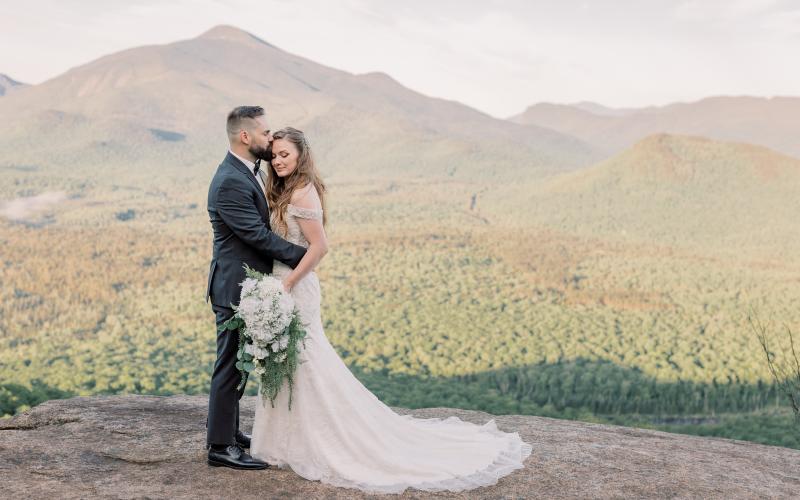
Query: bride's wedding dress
{"type": "Point", "coordinates": [338, 432]}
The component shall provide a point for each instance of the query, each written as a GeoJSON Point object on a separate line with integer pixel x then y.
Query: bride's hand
{"type": "Point", "coordinates": [288, 284]}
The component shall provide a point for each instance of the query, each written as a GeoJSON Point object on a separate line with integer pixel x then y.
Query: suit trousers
{"type": "Point", "coordinates": [223, 398]}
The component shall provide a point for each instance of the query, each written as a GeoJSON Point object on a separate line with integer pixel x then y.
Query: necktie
{"type": "Point", "coordinates": [260, 178]}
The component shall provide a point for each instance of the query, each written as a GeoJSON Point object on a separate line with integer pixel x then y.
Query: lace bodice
{"type": "Point", "coordinates": [306, 292]}
{"type": "Point", "coordinates": [293, 232]}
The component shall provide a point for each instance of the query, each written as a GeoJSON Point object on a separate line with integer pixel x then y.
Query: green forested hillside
{"type": "Point", "coordinates": [430, 302]}
{"type": "Point", "coordinates": [474, 262]}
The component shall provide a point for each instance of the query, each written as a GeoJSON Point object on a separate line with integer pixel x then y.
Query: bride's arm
{"type": "Point", "coordinates": [313, 231]}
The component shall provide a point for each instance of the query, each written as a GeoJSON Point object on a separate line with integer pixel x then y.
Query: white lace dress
{"type": "Point", "coordinates": [338, 432]}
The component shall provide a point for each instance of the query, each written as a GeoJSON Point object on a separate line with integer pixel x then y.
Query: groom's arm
{"type": "Point", "coordinates": [237, 210]}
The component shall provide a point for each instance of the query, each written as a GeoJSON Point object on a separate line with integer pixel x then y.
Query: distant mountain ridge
{"type": "Point", "coordinates": [187, 88]}
{"type": "Point", "coordinates": [771, 122]}
{"type": "Point", "coordinates": [162, 106]}
{"type": "Point", "coordinates": [8, 84]}
{"type": "Point", "coordinates": [599, 109]}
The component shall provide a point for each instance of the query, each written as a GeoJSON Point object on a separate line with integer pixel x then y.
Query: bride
{"type": "Point", "coordinates": [337, 431]}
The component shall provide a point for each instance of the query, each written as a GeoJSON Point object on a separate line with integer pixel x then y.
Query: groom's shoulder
{"type": "Point", "coordinates": [226, 164]}
{"type": "Point", "coordinates": [229, 177]}
{"type": "Point", "coordinates": [226, 169]}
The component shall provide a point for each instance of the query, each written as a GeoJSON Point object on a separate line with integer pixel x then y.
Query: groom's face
{"type": "Point", "coordinates": [260, 138]}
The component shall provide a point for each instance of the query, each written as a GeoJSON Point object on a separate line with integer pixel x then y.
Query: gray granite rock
{"type": "Point", "coordinates": [152, 447]}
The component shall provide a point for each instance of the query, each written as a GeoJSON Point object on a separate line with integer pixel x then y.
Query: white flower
{"type": "Point", "coordinates": [249, 307]}
{"type": "Point", "coordinates": [284, 342]}
{"type": "Point", "coordinates": [269, 287]}
{"type": "Point", "coordinates": [267, 311]}
{"type": "Point", "coordinates": [262, 337]}
{"type": "Point", "coordinates": [256, 351]}
{"type": "Point", "coordinates": [248, 286]}
{"type": "Point", "coordinates": [259, 370]}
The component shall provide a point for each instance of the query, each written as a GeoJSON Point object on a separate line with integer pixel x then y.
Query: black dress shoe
{"type": "Point", "coordinates": [233, 456]}
{"type": "Point", "coordinates": [242, 439]}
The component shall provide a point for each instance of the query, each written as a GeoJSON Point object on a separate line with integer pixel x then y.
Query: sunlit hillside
{"type": "Point", "coordinates": [679, 191]}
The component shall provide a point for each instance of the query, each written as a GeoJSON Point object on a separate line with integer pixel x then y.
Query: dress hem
{"type": "Point", "coordinates": [509, 460]}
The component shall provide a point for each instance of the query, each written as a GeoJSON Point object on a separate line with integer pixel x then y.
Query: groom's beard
{"type": "Point", "coordinates": [261, 153]}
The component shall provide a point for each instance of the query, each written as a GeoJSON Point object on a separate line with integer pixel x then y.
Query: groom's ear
{"type": "Point", "coordinates": [244, 137]}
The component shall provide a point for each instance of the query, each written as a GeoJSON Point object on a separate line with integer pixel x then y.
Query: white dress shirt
{"type": "Point", "coordinates": [252, 167]}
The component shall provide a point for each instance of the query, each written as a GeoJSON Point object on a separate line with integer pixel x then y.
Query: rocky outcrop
{"type": "Point", "coordinates": [152, 447]}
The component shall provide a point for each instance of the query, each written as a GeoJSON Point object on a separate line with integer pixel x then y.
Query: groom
{"type": "Point", "coordinates": [237, 206]}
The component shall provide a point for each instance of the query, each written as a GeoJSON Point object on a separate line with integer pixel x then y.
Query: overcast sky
{"type": "Point", "coordinates": [497, 56]}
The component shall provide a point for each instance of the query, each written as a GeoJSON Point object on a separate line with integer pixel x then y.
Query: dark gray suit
{"type": "Point", "coordinates": [240, 219]}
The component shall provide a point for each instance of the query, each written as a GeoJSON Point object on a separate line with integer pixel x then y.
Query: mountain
{"type": "Point", "coordinates": [147, 105]}
{"type": "Point", "coordinates": [599, 109]}
{"type": "Point", "coordinates": [771, 122]}
{"type": "Point", "coordinates": [8, 84]}
{"type": "Point", "coordinates": [678, 190]}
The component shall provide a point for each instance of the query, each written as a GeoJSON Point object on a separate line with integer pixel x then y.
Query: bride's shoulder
{"type": "Point", "coordinates": [306, 197]}
{"type": "Point", "coordinates": [305, 203]}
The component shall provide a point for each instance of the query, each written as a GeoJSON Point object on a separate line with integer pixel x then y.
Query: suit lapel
{"type": "Point", "coordinates": [241, 167]}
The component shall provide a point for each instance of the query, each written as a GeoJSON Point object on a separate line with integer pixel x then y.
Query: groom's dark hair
{"type": "Point", "coordinates": [237, 116]}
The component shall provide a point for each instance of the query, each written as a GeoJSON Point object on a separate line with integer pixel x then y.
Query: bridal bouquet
{"type": "Point", "coordinates": [269, 334]}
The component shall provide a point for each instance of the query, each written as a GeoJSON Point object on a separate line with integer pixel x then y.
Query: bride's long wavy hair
{"type": "Point", "coordinates": [280, 189]}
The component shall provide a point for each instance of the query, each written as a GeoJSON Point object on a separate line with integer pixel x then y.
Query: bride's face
{"type": "Point", "coordinates": [284, 157]}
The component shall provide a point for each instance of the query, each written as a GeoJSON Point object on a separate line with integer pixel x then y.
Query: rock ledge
{"type": "Point", "coordinates": [149, 446]}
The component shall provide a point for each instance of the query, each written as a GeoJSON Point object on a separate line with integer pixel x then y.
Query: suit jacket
{"type": "Point", "coordinates": [239, 217]}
